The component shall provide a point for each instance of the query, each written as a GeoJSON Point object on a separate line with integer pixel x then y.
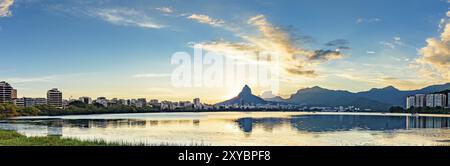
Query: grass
{"type": "Point", "coordinates": [12, 138]}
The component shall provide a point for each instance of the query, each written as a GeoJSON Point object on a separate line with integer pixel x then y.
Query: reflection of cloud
{"type": "Point", "coordinates": [206, 19]}
{"type": "Point", "coordinates": [4, 7]}
{"type": "Point", "coordinates": [436, 54]}
{"type": "Point", "coordinates": [126, 17]}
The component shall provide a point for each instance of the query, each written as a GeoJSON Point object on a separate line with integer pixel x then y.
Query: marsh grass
{"type": "Point", "coordinates": [12, 138]}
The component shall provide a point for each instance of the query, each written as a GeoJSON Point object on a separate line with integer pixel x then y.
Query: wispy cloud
{"type": "Point", "coordinates": [151, 75]}
{"type": "Point", "coordinates": [367, 20]}
{"type": "Point", "coordinates": [32, 79]}
{"type": "Point", "coordinates": [396, 41]}
{"type": "Point", "coordinates": [4, 8]}
{"type": "Point", "coordinates": [126, 17]}
{"type": "Point", "coordinates": [165, 9]}
{"type": "Point", "coordinates": [206, 19]}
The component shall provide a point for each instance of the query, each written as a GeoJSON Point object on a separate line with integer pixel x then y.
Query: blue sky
{"type": "Point", "coordinates": [95, 48]}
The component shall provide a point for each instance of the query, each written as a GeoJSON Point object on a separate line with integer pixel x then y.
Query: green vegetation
{"type": "Point", "coordinates": [74, 108]}
{"type": "Point", "coordinates": [12, 138]}
{"type": "Point", "coordinates": [428, 110]}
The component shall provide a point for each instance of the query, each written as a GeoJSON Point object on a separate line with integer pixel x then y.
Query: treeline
{"type": "Point", "coordinates": [428, 110]}
{"type": "Point", "coordinates": [74, 108]}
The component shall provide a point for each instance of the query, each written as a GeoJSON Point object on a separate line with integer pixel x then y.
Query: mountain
{"type": "Point", "coordinates": [393, 96]}
{"type": "Point", "coordinates": [245, 97]}
{"type": "Point", "coordinates": [376, 98]}
{"type": "Point", "coordinates": [317, 96]}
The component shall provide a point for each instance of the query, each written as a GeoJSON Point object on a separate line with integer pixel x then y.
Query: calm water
{"type": "Point", "coordinates": [252, 128]}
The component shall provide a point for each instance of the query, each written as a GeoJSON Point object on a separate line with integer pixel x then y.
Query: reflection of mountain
{"type": "Point", "coordinates": [246, 124]}
{"type": "Point", "coordinates": [324, 123]}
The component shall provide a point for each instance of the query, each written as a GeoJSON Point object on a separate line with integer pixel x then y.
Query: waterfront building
{"type": "Point", "coordinates": [448, 98]}
{"type": "Point", "coordinates": [419, 100]}
{"type": "Point", "coordinates": [141, 102]}
{"type": "Point", "coordinates": [439, 100]}
{"type": "Point", "coordinates": [102, 100]}
{"type": "Point", "coordinates": [40, 101]}
{"type": "Point", "coordinates": [430, 100]}
{"type": "Point", "coordinates": [86, 100]}
{"type": "Point", "coordinates": [410, 102]}
{"type": "Point", "coordinates": [7, 93]}
{"type": "Point", "coordinates": [25, 102]}
{"type": "Point", "coordinates": [54, 98]}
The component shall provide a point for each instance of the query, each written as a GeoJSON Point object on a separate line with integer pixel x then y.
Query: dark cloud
{"type": "Point", "coordinates": [324, 55]}
{"type": "Point", "coordinates": [339, 43]}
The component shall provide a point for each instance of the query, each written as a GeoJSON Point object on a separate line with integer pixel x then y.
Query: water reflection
{"type": "Point", "coordinates": [244, 128]}
{"type": "Point", "coordinates": [326, 123]}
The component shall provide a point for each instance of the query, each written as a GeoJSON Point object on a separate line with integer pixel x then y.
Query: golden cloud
{"type": "Point", "coordinates": [4, 7]}
{"type": "Point", "coordinates": [437, 53]}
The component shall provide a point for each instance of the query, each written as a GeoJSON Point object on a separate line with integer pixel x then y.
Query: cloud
{"type": "Point", "coordinates": [367, 20]}
{"type": "Point", "coordinates": [4, 8]}
{"type": "Point", "coordinates": [435, 56]}
{"type": "Point", "coordinates": [151, 75]}
{"type": "Point", "coordinates": [165, 9]}
{"type": "Point", "coordinates": [206, 19]}
{"type": "Point", "coordinates": [325, 55]}
{"type": "Point", "coordinates": [126, 17]}
{"type": "Point", "coordinates": [339, 44]}
{"type": "Point", "coordinates": [269, 38]}
{"type": "Point", "coordinates": [370, 52]}
{"type": "Point", "coordinates": [396, 41]}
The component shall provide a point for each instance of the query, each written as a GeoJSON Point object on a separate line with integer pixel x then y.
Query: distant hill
{"type": "Point", "coordinates": [377, 98]}
{"type": "Point", "coordinates": [317, 96]}
{"type": "Point", "coordinates": [245, 97]}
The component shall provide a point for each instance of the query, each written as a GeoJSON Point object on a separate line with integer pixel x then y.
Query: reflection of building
{"type": "Point", "coordinates": [7, 93]}
{"type": "Point", "coordinates": [448, 98]}
{"type": "Point", "coordinates": [54, 98]}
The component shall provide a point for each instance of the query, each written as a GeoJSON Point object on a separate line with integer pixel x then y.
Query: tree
{"type": "Point", "coordinates": [396, 109]}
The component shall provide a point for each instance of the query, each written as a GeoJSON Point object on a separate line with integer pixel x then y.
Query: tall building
{"type": "Point", "coordinates": [430, 100]}
{"type": "Point", "coordinates": [54, 98]}
{"type": "Point", "coordinates": [448, 100]}
{"type": "Point", "coordinates": [439, 100]}
{"type": "Point", "coordinates": [7, 93]}
{"type": "Point", "coordinates": [419, 100]}
{"type": "Point", "coordinates": [410, 102]}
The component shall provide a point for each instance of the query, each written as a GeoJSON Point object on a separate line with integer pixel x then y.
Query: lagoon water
{"type": "Point", "coordinates": [244, 128]}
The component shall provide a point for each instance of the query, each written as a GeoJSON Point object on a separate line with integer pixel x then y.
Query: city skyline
{"type": "Point", "coordinates": [123, 50]}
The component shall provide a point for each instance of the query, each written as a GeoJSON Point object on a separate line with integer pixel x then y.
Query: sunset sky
{"type": "Point", "coordinates": [123, 49]}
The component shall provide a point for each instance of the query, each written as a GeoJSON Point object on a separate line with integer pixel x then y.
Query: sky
{"type": "Point", "coordinates": [124, 49]}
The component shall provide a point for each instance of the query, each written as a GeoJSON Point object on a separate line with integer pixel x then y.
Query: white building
{"type": "Point", "coordinates": [430, 100]}
{"type": "Point", "coordinates": [86, 100]}
{"type": "Point", "coordinates": [410, 102]}
{"type": "Point", "coordinates": [439, 100]}
{"type": "Point", "coordinates": [102, 100]}
{"type": "Point", "coordinates": [419, 100]}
